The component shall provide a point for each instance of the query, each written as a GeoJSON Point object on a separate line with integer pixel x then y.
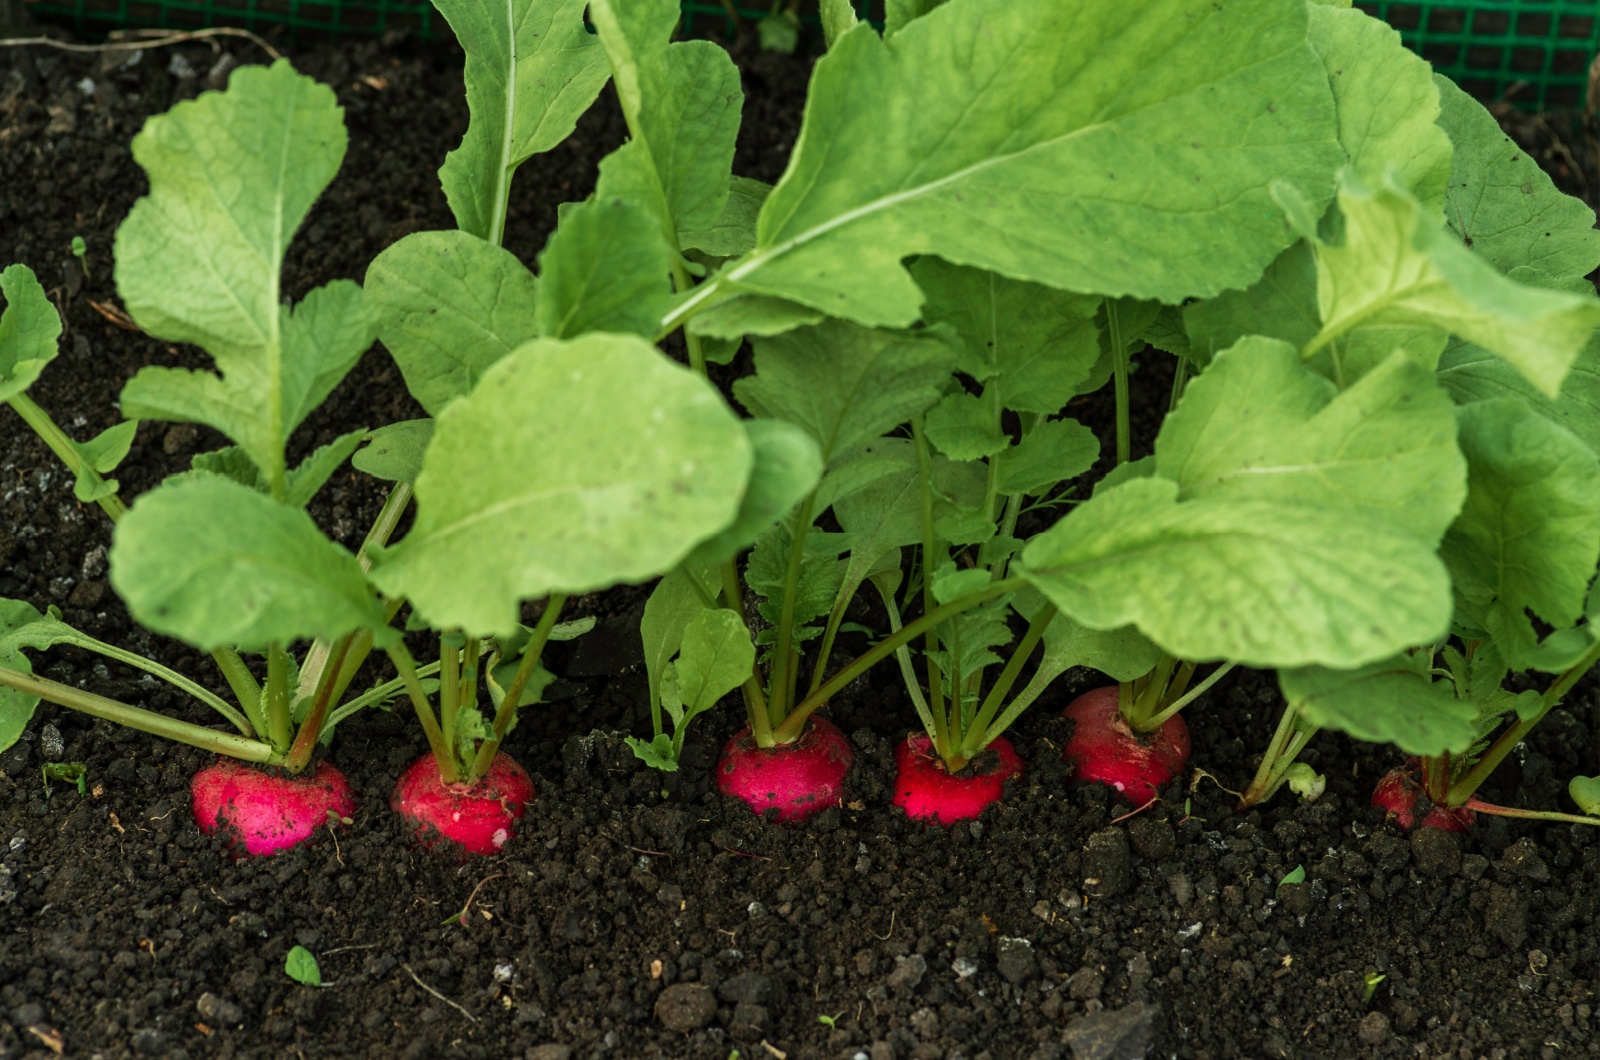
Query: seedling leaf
{"type": "Point", "coordinates": [449, 305]}
{"type": "Point", "coordinates": [717, 656]}
{"type": "Point", "coordinates": [529, 488]}
{"type": "Point", "coordinates": [1585, 791]}
{"type": "Point", "coordinates": [215, 563]}
{"type": "Point", "coordinates": [394, 453]}
{"type": "Point", "coordinates": [30, 328]}
{"type": "Point", "coordinates": [1293, 876]}
{"type": "Point", "coordinates": [675, 601]}
{"type": "Point", "coordinates": [16, 708]}
{"type": "Point", "coordinates": [301, 966]}
{"type": "Point", "coordinates": [103, 453]}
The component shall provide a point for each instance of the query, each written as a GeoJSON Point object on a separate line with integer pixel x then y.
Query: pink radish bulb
{"type": "Point", "coordinates": [797, 779]}
{"type": "Point", "coordinates": [925, 789]}
{"type": "Point", "coordinates": [1104, 749]}
{"type": "Point", "coordinates": [479, 818]}
{"type": "Point", "coordinates": [1400, 796]}
{"type": "Point", "coordinates": [262, 811]}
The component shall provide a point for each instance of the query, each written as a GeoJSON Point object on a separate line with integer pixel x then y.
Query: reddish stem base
{"type": "Point", "coordinates": [1104, 749]}
{"type": "Point", "coordinates": [926, 790]}
{"type": "Point", "coordinates": [1403, 799]}
{"type": "Point", "coordinates": [261, 811]}
{"type": "Point", "coordinates": [478, 818]}
{"type": "Point", "coordinates": [796, 780]}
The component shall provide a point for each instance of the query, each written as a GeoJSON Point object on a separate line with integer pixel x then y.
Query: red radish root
{"type": "Point", "coordinates": [479, 818]}
{"type": "Point", "coordinates": [1400, 796]}
{"type": "Point", "coordinates": [1104, 749]}
{"type": "Point", "coordinates": [926, 790]}
{"type": "Point", "coordinates": [262, 811]}
{"type": "Point", "coordinates": [797, 779]}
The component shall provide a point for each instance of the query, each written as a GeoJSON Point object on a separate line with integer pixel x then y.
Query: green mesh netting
{"type": "Point", "coordinates": [1535, 53]}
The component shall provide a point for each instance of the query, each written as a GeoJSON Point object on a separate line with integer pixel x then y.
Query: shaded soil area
{"type": "Point", "coordinates": [641, 915]}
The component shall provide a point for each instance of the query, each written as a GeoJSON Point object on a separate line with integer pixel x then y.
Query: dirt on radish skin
{"type": "Point", "coordinates": [925, 790]}
{"type": "Point", "coordinates": [795, 780]}
{"type": "Point", "coordinates": [478, 818]}
{"type": "Point", "coordinates": [1400, 796]}
{"type": "Point", "coordinates": [1104, 749]}
{"type": "Point", "coordinates": [262, 811]}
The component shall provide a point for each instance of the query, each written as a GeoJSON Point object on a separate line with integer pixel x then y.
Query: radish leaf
{"type": "Point", "coordinates": [29, 330]}
{"type": "Point", "coordinates": [1389, 701]}
{"type": "Point", "coordinates": [605, 269]}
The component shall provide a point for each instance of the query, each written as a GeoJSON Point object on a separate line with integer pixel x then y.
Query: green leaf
{"type": "Point", "coordinates": [845, 385]}
{"type": "Point", "coordinates": [752, 314]}
{"type": "Point", "coordinates": [734, 233]}
{"type": "Point", "coordinates": [1585, 791]}
{"type": "Point", "coordinates": [657, 753]}
{"type": "Point", "coordinates": [821, 575]}
{"type": "Point", "coordinates": [1388, 701]}
{"type": "Point", "coordinates": [1052, 452]}
{"type": "Point", "coordinates": [302, 967]}
{"type": "Point", "coordinates": [230, 462]}
{"type": "Point", "coordinates": [787, 467]}
{"type": "Point", "coordinates": [1528, 537]}
{"type": "Point", "coordinates": [1121, 654]}
{"type": "Point", "coordinates": [963, 427]}
{"type": "Point", "coordinates": [1281, 305]}
{"type": "Point", "coordinates": [198, 260]}
{"type": "Point", "coordinates": [1259, 426]}
{"type": "Point", "coordinates": [779, 32]}
{"type": "Point", "coordinates": [900, 12]}
{"type": "Point", "coordinates": [1503, 205]}
{"type": "Point", "coordinates": [449, 305]}
{"type": "Point", "coordinates": [315, 470]}
{"type": "Point", "coordinates": [1471, 373]}
{"type": "Point", "coordinates": [682, 102]}
{"type": "Point", "coordinates": [530, 488]}
{"type": "Point", "coordinates": [214, 563]}
{"type": "Point", "coordinates": [952, 582]}
{"type": "Point", "coordinates": [1141, 165]}
{"type": "Point", "coordinates": [1387, 104]}
{"type": "Point", "coordinates": [606, 268]}
{"type": "Point", "coordinates": [394, 453]}
{"type": "Point", "coordinates": [103, 452]}
{"type": "Point", "coordinates": [499, 678]}
{"type": "Point", "coordinates": [16, 708]}
{"type": "Point", "coordinates": [1396, 269]}
{"type": "Point", "coordinates": [1229, 578]}
{"type": "Point", "coordinates": [717, 656]}
{"type": "Point", "coordinates": [674, 602]}
{"type": "Point", "coordinates": [30, 328]}
{"type": "Point", "coordinates": [532, 70]}
{"type": "Point", "coordinates": [838, 18]}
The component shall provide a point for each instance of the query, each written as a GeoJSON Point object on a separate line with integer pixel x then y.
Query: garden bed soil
{"type": "Point", "coordinates": [641, 915]}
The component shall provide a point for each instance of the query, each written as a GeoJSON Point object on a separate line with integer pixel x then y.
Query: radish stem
{"type": "Point", "coordinates": [508, 706]}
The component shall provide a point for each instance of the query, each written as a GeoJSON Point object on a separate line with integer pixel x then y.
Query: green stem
{"type": "Point", "coordinates": [1480, 806]}
{"type": "Point", "coordinates": [278, 721]}
{"type": "Point", "coordinates": [755, 700]}
{"type": "Point", "coordinates": [66, 450]}
{"type": "Point", "coordinates": [794, 724]}
{"type": "Point", "coordinates": [1262, 786]}
{"type": "Point", "coordinates": [508, 706]}
{"type": "Point", "coordinates": [222, 743]}
{"type": "Point", "coordinates": [449, 689]}
{"type": "Point", "coordinates": [1119, 374]}
{"type": "Point", "coordinates": [1469, 784]}
{"type": "Point", "coordinates": [469, 673]}
{"type": "Point", "coordinates": [1148, 700]}
{"type": "Point", "coordinates": [1003, 684]}
{"type": "Point", "coordinates": [376, 695]}
{"type": "Point", "coordinates": [305, 741]}
{"type": "Point", "coordinates": [691, 341]}
{"type": "Point", "coordinates": [443, 754]}
{"type": "Point", "coordinates": [936, 701]}
{"type": "Point", "coordinates": [902, 655]}
{"type": "Point", "coordinates": [1184, 700]}
{"type": "Point", "coordinates": [782, 662]}
{"type": "Point", "coordinates": [171, 677]}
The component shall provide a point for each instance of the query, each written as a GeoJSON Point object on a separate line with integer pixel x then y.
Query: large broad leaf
{"type": "Point", "coordinates": [1471, 373]}
{"type": "Point", "coordinates": [215, 563]}
{"type": "Point", "coordinates": [1038, 345]}
{"type": "Point", "coordinates": [1258, 542]}
{"type": "Point", "coordinates": [1503, 206]}
{"type": "Point", "coordinates": [1528, 538]}
{"type": "Point", "coordinates": [845, 385]}
{"type": "Point", "coordinates": [29, 330]}
{"type": "Point", "coordinates": [1390, 701]}
{"type": "Point", "coordinates": [1396, 269]}
{"type": "Point", "coordinates": [1259, 426]}
{"type": "Point", "coordinates": [1099, 146]}
{"type": "Point", "coordinates": [198, 260]}
{"type": "Point", "coordinates": [604, 269]}
{"type": "Point", "coordinates": [532, 70]}
{"type": "Point", "coordinates": [16, 708]}
{"type": "Point", "coordinates": [1387, 103]}
{"type": "Point", "coordinates": [681, 100]}
{"type": "Point", "coordinates": [572, 467]}
{"type": "Point", "coordinates": [449, 305]}
{"type": "Point", "coordinates": [1281, 305]}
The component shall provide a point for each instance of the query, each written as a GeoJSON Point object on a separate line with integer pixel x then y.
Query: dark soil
{"type": "Point", "coordinates": [640, 915]}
